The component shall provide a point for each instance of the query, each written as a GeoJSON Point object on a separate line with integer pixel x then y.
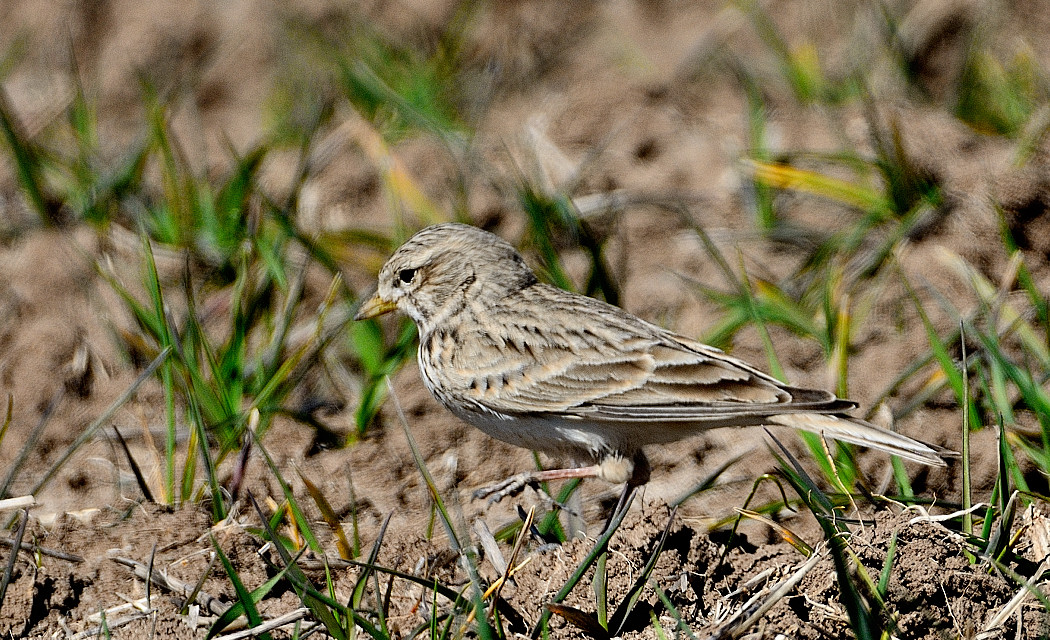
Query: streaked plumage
{"type": "Point", "coordinates": [546, 369]}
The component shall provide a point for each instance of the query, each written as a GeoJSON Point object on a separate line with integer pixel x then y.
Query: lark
{"type": "Point", "coordinates": [546, 369]}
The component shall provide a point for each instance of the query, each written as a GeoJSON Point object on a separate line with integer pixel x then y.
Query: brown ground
{"type": "Point", "coordinates": [633, 80]}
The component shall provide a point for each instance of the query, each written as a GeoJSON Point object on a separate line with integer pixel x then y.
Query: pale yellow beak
{"type": "Point", "coordinates": [374, 307]}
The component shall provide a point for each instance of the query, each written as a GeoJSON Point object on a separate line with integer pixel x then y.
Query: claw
{"type": "Point", "coordinates": [515, 484]}
{"type": "Point", "coordinates": [512, 486]}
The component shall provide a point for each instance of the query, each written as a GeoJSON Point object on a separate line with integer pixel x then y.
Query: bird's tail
{"type": "Point", "coordinates": [855, 431]}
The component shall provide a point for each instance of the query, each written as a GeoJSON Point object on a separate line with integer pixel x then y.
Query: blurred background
{"type": "Point", "coordinates": [828, 188]}
{"type": "Point", "coordinates": [194, 196]}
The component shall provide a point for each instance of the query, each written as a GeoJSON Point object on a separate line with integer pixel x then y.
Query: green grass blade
{"type": "Point", "coordinates": [863, 624]}
{"type": "Point", "coordinates": [484, 630]}
{"type": "Point", "coordinates": [757, 120]}
{"type": "Point", "coordinates": [767, 343]}
{"type": "Point", "coordinates": [887, 566]}
{"type": "Point", "coordinates": [600, 585]}
{"type": "Point", "coordinates": [28, 162]}
{"type": "Point", "coordinates": [428, 480]}
{"type": "Point", "coordinates": [940, 351]}
{"type": "Point", "coordinates": [322, 608]}
{"type": "Point", "coordinates": [243, 596]}
{"type": "Point", "coordinates": [900, 476]}
{"type": "Point", "coordinates": [367, 568]}
{"type": "Point", "coordinates": [551, 525]}
{"type": "Point", "coordinates": [198, 424]}
{"type": "Point", "coordinates": [679, 620]}
{"type": "Point", "coordinates": [631, 599]}
{"type": "Point", "coordinates": [301, 521]}
{"type": "Point", "coordinates": [707, 482]}
{"type": "Point", "coordinates": [599, 547]}
{"type": "Point", "coordinates": [238, 609]}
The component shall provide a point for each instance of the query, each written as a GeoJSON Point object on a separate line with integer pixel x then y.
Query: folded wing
{"type": "Point", "coordinates": [603, 366]}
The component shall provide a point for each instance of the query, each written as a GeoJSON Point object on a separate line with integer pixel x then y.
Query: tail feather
{"type": "Point", "coordinates": [855, 431]}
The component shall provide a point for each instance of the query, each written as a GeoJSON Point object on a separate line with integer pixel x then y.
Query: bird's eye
{"type": "Point", "coordinates": [406, 275]}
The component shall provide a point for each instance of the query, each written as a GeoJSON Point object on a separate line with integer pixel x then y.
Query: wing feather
{"type": "Point", "coordinates": [586, 361]}
{"type": "Point", "coordinates": [599, 363]}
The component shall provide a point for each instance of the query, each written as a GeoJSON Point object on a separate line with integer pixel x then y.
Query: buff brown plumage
{"type": "Point", "coordinates": [542, 368]}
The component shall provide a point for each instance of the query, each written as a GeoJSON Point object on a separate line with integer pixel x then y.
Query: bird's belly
{"type": "Point", "coordinates": [547, 435]}
{"type": "Point", "coordinates": [550, 435]}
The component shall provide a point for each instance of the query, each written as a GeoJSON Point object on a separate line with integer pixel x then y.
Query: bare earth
{"type": "Point", "coordinates": [621, 92]}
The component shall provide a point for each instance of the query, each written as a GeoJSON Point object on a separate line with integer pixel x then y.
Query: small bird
{"type": "Point", "coordinates": [550, 370]}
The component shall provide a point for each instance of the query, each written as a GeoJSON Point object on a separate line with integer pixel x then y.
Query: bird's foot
{"type": "Point", "coordinates": [517, 483]}
{"type": "Point", "coordinates": [512, 486]}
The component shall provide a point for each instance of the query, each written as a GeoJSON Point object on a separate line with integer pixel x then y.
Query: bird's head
{"type": "Point", "coordinates": [440, 269]}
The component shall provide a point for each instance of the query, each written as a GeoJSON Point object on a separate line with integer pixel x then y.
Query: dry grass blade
{"type": "Point", "coordinates": [761, 602]}
{"type": "Point", "coordinates": [995, 626]}
{"type": "Point", "coordinates": [10, 409]}
{"type": "Point", "coordinates": [490, 546]}
{"type": "Point", "coordinates": [784, 176]}
{"type": "Point", "coordinates": [20, 502]}
{"type": "Point", "coordinates": [329, 515]}
{"type": "Point", "coordinates": [184, 589]}
{"type": "Point", "coordinates": [786, 534]}
{"type": "Point", "coordinates": [140, 605]}
{"type": "Point", "coordinates": [10, 568]}
{"type": "Point", "coordinates": [51, 553]}
{"type": "Point", "coordinates": [102, 631]}
{"type": "Point", "coordinates": [584, 621]}
{"type": "Point", "coordinates": [506, 573]}
{"type": "Point", "coordinates": [89, 432]}
{"type": "Point", "coordinates": [397, 178]}
{"type": "Point", "coordinates": [280, 621]}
